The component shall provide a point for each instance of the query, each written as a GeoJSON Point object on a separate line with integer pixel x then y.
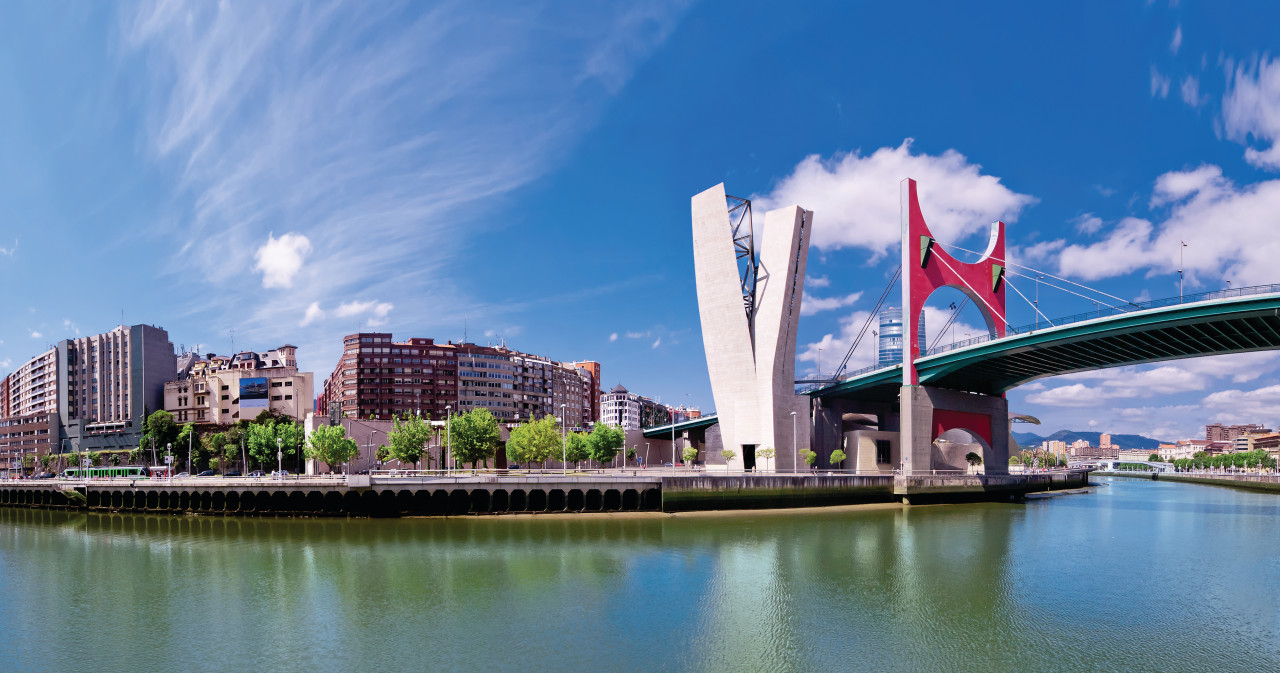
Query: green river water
{"type": "Point", "coordinates": [1138, 575]}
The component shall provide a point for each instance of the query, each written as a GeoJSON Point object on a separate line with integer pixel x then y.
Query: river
{"type": "Point", "coordinates": [1136, 575]}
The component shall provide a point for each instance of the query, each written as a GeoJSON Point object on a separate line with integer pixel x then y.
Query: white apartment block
{"type": "Point", "coordinates": [226, 389]}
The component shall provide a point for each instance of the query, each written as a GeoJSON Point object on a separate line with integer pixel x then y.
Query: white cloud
{"type": "Point", "coordinates": [35, 334]}
{"type": "Point", "coordinates": [637, 335]}
{"type": "Point", "coordinates": [855, 198]}
{"type": "Point", "coordinates": [1251, 110]}
{"type": "Point", "coordinates": [280, 259]}
{"type": "Point", "coordinates": [817, 281]}
{"type": "Point", "coordinates": [1074, 395]}
{"type": "Point", "coordinates": [314, 313]}
{"type": "Point", "coordinates": [1159, 84]}
{"type": "Point", "coordinates": [1105, 191]}
{"type": "Point", "coordinates": [811, 304]}
{"type": "Point", "coordinates": [1245, 406]}
{"type": "Point", "coordinates": [1190, 91]}
{"type": "Point", "coordinates": [1229, 232]}
{"type": "Point", "coordinates": [8, 252]}
{"type": "Point", "coordinates": [1088, 223]}
{"type": "Point", "coordinates": [377, 311]}
{"type": "Point", "coordinates": [613, 337]}
{"type": "Point", "coordinates": [67, 324]}
{"type": "Point", "coordinates": [1176, 43]}
{"type": "Point", "coordinates": [6, 363]}
{"type": "Point", "coordinates": [657, 342]}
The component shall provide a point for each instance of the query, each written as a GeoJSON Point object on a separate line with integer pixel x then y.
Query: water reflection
{"type": "Point", "coordinates": [984, 587]}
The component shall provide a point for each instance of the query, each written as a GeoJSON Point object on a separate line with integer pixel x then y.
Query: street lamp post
{"type": "Point", "coordinates": [168, 459]}
{"type": "Point", "coordinates": [191, 439]}
{"type": "Point", "coordinates": [564, 442]}
{"type": "Point", "coordinates": [1180, 270]}
{"type": "Point", "coordinates": [646, 453]}
{"type": "Point", "coordinates": [280, 457]}
{"type": "Point", "coordinates": [673, 439]}
{"type": "Point", "coordinates": [795, 449]}
{"type": "Point", "coordinates": [448, 429]}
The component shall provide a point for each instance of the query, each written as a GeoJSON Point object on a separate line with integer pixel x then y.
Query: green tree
{"type": "Point", "coordinates": [605, 441]}
{"type": "Point", "coordinates": [408, 438]}
{"type": "Point", "coordinates": [1154, 457]}
{"type": "Point", "coordinates": [837, 457]}
{"type": "Point", "coordinates": [534, 442]}
{"type": "Point", "coordinates": [46, 460]}
{"type": "Point", "coordinates": [473, 436]}
{"type": "Point", "coordinates": [729, 455]}
{"type": "Point", "coordinates": [767, 453]}
{"type": "Point", "coordinates": [28, 462]}
{"type": "Point", "coordinates": [95, 457]}
{"type": "Point", "coordinates": [690, 455]}
{"type": "Point", "coordinates": [160, 427]}
{"type": "Point", "coordinates": [330, 444]}
{"type": "Point", "coordinates": [261, 442]}
{"type": "Point", "coordinates": [810, 457]}
{"type": "Point", "coordinates": [577, 447]}
{"type": "Point", "coordinates": [973, 459]}
{"type": "Point", "coordinates": [115, 459]}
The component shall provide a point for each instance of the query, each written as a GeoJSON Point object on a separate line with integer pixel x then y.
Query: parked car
{"type": "Point", "coordinates": [257, 473]}
{"type": "Point", "coordinates": [47, 475]}
{"type": "Point", "coordinates": [207, 473]}
{"type": "Point", "coordinates": [513, 466]}
{"type": "Point", "coordinates": [182, 474]}
{"type": "Point", "coordinates": [280, 474]}
{"type": "Point", "coordinates": [232, 473]}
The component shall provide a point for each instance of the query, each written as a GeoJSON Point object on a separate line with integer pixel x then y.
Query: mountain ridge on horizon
{"type": "Point", "coordinates": [1028, 440]}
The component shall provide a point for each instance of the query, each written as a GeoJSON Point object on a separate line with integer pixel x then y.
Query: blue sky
{"type": "Point", "coordinates": [296, 172]}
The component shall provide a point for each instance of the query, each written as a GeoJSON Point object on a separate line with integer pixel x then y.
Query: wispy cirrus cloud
{"type": "Point", "coordinates": [369, 131]}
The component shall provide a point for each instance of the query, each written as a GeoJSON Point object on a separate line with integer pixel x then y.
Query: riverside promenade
{"type": "Point", "coordinates": [1252, 482]}
{"type": "Point", "coordinates": [524, 492]}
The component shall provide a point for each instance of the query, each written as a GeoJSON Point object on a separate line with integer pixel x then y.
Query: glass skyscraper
{"type": "Point", "coordinates": [890, 340]}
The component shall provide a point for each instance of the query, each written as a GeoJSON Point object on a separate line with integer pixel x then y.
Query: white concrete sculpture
{"type": "Point", "coordinates": [750, 309]}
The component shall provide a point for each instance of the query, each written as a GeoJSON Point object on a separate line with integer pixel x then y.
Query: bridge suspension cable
{"type": "Point", "coordinates": [955, 313]}
{"type": "Point", "coordinates": [1034, 307]}
{"type": "Point", "coordinates": [1007, 263]}
{"type": "Point", "coordinates": [875, 311]}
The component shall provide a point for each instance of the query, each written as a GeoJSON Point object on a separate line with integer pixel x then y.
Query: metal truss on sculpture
{"type": "Point", "coordinates": [744, 245]}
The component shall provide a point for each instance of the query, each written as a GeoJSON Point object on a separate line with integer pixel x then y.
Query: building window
{"type": "Point", "coordinates": [883, 451]}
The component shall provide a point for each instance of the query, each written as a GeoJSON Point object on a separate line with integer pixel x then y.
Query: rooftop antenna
{"type": "Point", "coordinates": [464, 330]}
{"type": "Point", "coordinates": [233, 340]}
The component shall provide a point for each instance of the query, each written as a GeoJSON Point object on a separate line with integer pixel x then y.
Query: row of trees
{"type": "Point", "coordinates": [1037, 458]}
{"type": "Point", "coordinates": [1243, 460]}
{"type": "Point", "coordinates": [540, 440]}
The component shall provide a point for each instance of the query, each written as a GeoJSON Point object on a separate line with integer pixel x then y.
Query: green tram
{"type": "Point", "coordinates": [119, 471]}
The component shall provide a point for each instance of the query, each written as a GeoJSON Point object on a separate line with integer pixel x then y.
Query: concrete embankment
{"type": "Point", "coordinates": [520, 494]}
{"type": "Point", "coordinates": [1253, 482]}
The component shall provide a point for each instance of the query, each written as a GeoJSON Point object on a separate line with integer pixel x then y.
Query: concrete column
{"type": "Point", "coordinates": [997, 460]}
{"type": "Point", "coordinates": [917, 429]}
{"type": "Point", "coordinates": [826, 435]}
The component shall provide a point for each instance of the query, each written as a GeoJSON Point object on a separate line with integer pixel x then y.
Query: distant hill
{"type": "Point", "coordinates": [1028, 439]}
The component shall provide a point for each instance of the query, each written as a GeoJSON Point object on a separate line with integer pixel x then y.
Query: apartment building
{"type": "Point", "coordinates": [1217, 432]}
{"type": "Point", "coordinates": [223, 389]}
{"type": "Point", "coordinates": [382, 378]}
{"type": "Point", "coordinates": [631, 411]}
{"type": "Point", "coordinates": [89, 393]}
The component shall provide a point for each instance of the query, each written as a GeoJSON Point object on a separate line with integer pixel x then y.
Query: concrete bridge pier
{"type": "Point", "coordinates": [928, 412]}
